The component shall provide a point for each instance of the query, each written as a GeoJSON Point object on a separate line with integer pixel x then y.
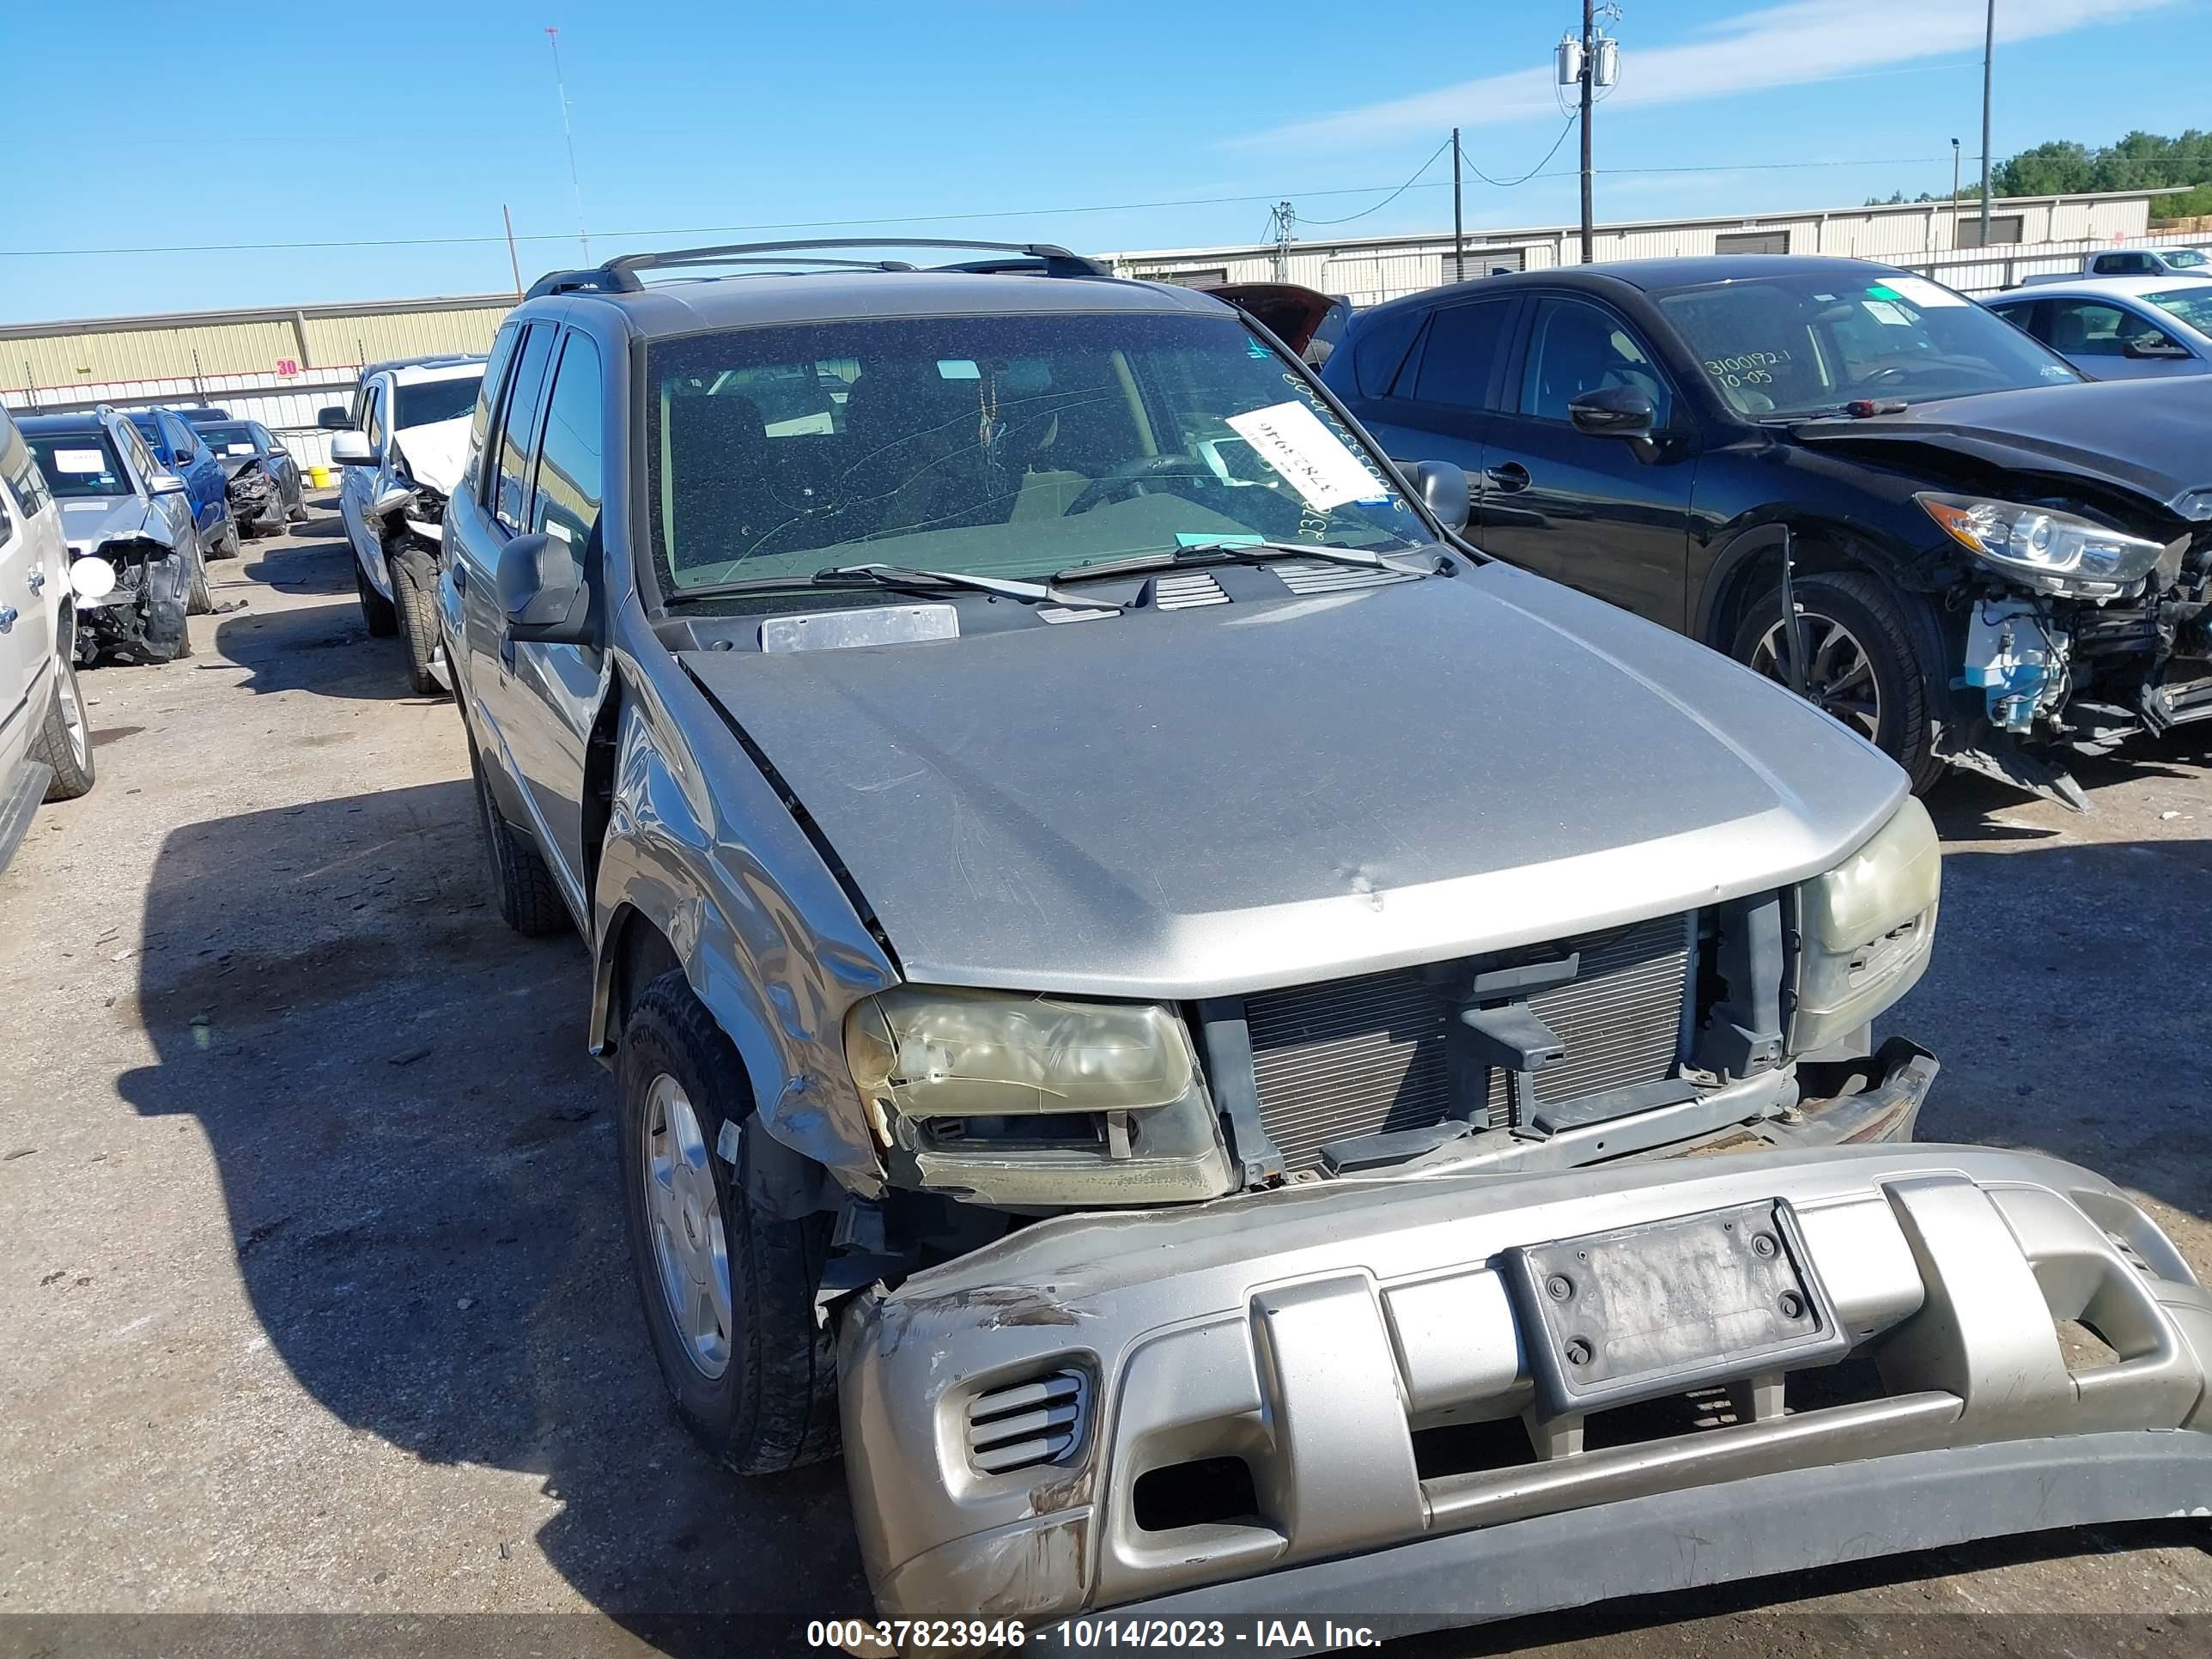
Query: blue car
{"type": "Point", "coordinates": [184, 453]}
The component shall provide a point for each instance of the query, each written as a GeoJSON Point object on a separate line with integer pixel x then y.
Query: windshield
{"type": "Point", "coordinates": [2185, 258]}
{"type": "Point", "coordinates": [429, 401]}
{"type": "Point", "coordinates": [230, 437]}
{"type": "Point", "coordinates": [79, 464]}
{"type": "Point", "coordinates": [1803, 346]}
{"type": "Point", "coordinates": [993, 445]}
{"type": "Point", "coordinates": [2193, 305]}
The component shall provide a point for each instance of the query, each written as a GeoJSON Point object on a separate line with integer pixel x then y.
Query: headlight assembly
{"type": "Point", "coordinates": [1865, 929]}
{"type": "Point", "coordinates": [2052, 551]}
{"type": "Point", "coordinates": [1051, 1102]}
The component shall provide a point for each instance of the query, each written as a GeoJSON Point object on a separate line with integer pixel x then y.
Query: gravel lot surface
{"type": "Point", "coordinates": [311, 1264]}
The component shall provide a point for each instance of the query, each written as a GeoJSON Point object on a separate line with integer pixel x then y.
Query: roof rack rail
{"type": "Point", "coordinates": [620, 276]}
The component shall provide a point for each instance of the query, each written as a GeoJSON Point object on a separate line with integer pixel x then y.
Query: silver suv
{"type": "Point", "coordinates": [1174, 996]}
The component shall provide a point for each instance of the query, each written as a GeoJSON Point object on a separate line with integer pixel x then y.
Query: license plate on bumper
{"type": "Point", "coordinates": [1643, 1311]}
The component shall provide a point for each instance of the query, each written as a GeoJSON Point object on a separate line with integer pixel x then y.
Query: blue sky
{"type": "Point", "coordinates": [404, 122]}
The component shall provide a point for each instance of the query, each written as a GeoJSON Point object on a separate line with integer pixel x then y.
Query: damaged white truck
{"type": "Point", "coordinates": [400, 449]}
{"type": "Point", "coordinates": [1245, 1056]}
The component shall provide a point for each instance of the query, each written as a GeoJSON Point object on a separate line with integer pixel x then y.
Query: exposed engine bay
{"type": "Point", "coordinates": [130, 595]}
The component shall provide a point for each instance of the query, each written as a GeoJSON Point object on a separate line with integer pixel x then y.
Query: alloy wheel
{"type": "Point", "coordinates": [1840, 678]}
{"type": "Point", "coordinates": [690, 1249]}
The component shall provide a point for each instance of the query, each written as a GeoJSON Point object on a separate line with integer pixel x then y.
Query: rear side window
{"type": "Point", "coordinates": [488, 393]}
{"type": "Point", "coordinates": [1463, 345]}
{"type": "Point", "coordinates": [518, 427]}
{"type": "Point", "coordinates": [571, 458]}
{"type": "Point", "coordinates": [1380, 349]}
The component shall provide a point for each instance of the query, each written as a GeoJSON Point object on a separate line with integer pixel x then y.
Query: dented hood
{"type": "Point", "coordinates": [435, 454]}
{"type": "Point", "coordinates": [1223, 799]}
{"type": "Point", "coordinates": [2152, 437]}
{"type": "Point", "coordinates": [88, 521]}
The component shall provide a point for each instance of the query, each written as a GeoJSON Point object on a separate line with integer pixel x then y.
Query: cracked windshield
{"type": "Point", "coordinates": [1011, 447]}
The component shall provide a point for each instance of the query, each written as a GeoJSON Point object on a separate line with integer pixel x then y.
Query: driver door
{"type": "Point", "coordinates": [1605, 514]}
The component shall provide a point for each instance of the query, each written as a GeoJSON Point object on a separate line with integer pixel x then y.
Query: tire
{"type": "Point", "coordinates": [227, 545]}
{"type": "Point", "coordinates": [64, 739]}
{"type": "Point", "coordinates": [376, 610]}
{"type": "Point", "coordinates": [522, 884]}
{"type": "Point", "coordinates": [762, 1397]}
{"type": "Point", "coordinates": [199, 601]}
{"type": "Point", "coordinates": [1859, 636]}
{"type": "Point", "coordinates": [418, 628]}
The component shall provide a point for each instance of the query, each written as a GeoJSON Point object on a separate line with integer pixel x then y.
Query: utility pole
{"type": "Point", "coordinates": [1589, 66]}
{"type": "Point", "coordinates": [512, 264]}
{"type": "Point", "coordinates": [1282, 229]}
{"type": "Point", "coordinates": [1459, 224]}
{"type": "Point", "coordinates": [562, 88]}
{"type": "Point", "coordinates": [1988, 56]}
{"type": "Point", "coordinates": [1587, 62]}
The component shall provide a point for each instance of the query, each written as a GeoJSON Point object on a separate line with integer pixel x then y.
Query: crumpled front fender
{"type": "Point", "coordinates": [1108, 1411]}
{"type": "Point", "coordinates": [767, 939]}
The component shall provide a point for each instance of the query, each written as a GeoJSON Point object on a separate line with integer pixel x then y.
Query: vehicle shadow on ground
{"type": "Point", "coordinates": [323, 648]}
{"type": "Point", "coordinates": [301, 564]}
{"type": "Point", "coordinates": [1966, 805]}
{"type": "Point", "coordinates": [417, 1156]}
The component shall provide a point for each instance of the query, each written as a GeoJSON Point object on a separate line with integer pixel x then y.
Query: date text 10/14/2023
{"type": "Point", "coordinates": [871, 1638]}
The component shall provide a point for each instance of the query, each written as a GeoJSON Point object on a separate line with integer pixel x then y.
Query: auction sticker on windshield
{"type": "Point", "coordinates": [1291, 438]}
{"type": "Point", "coordinates": [79, 460]}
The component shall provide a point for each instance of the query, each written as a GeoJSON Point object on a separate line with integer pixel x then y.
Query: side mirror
{"type": "Point", "coordinates": [165, 483]}
{"type": "Point", "coordinates": [334, 418]}
{"type": "Point", "coordinates": [186, 457]}
{"type": "Point", "coordinates": [1613, 411]}
{"type": "Point", "coordinates": [350, 448]}
{"type": "Point", "coordinates": [1444, 492]}
{"type": "Point", "coordinates": [541, 591]}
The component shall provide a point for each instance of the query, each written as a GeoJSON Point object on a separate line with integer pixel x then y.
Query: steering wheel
{"type": "Point", "coordinates": [1129, 478]}
{"type": "Point", "coordinates": [1888, 374]}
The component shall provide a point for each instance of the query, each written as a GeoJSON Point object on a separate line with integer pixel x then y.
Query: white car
{"type": "Point", "coordinates": [2119, 328]}
{"type": "Point", "coordinates": [2135, 262]}
{"type": "Point", "coordinates": [45, 742]}
{"type": "Point", "coordinates": [401, 448]}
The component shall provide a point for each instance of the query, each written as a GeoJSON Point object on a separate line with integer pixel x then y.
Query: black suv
{"type": "Point", "coordinates": [1992, 564]}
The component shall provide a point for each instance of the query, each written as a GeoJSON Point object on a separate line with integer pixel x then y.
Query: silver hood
{"type": "Point", "coordinates": [436, 453]}
{"type": "Point", "coordinates": [1211, 801]}
{"type": "Point", "coordinates": [88, 521]}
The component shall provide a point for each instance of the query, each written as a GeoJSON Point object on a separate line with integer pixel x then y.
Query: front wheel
{"type": "Point", "coordinates": [1860, 663]}
{"type": "Point", "coordinates": [417, 617]}
{"type": "Point", "coordinates": [199, 600]}
{"type": "Point", "coordinates": [227, 545]}
{"type": "Point", "coordinates": [728, 1293]}
{"type": "Point", "coordinates": [64, 739]}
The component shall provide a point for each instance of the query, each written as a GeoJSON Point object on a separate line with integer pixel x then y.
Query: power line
{"type": "Point", "coordinates": [1396, 193]}
{"type": "Point", "coordinates": [1508, 183]}
{"type": "Point", "coordinates": [904, 219]}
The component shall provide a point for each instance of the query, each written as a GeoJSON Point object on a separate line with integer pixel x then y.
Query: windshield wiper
{"type": "Point", "coordinates": [899, 578]}
{"type": "Point", "coordinates": [1238, 552]}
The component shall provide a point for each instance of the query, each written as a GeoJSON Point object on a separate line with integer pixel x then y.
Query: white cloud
{"type": "Point", "coordinates": [1741, 58]}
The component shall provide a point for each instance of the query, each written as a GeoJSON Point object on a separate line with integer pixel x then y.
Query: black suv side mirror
{"type": "Point", "coordinates": [1444, 492]}
{"type": "Point", "coordinates": [1613, 411]}
{"type": "Point", "coordinates": [542, 592]}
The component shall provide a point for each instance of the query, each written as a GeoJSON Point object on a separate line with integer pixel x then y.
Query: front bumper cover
{"type": "Point", "coordinates": [1336, 1380]}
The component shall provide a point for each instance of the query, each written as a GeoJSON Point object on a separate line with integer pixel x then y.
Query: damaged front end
{"type": "Point", "coordinates": [256, 501]}
{"type": "Point", "coordinates": [1437, 1401]}
{"type": "Point", "coordinates": [2078, 652]}
{"type": "Point", "coordinates": [129, 594]}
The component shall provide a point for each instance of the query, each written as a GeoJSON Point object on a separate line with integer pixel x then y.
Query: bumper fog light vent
{"type": "Point", "coordinates": [1027, 1425]}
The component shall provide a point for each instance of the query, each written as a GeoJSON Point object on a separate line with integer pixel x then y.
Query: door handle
{"type": "Point", "coordinates": [8, 614]}
{"type": "Point", "coordinates": [460, 577]}
{"type": "Point", "coordinates": [1507, 476]}
{"type": "Point", "coordinates": [37, 578]}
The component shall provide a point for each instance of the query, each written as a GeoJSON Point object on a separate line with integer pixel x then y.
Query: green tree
{"type": "Point", "coordinates": [2061, 168]}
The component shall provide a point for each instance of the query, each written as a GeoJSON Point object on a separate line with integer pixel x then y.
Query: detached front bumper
{"type": "Point", "coordinates": [1346, 1398]}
